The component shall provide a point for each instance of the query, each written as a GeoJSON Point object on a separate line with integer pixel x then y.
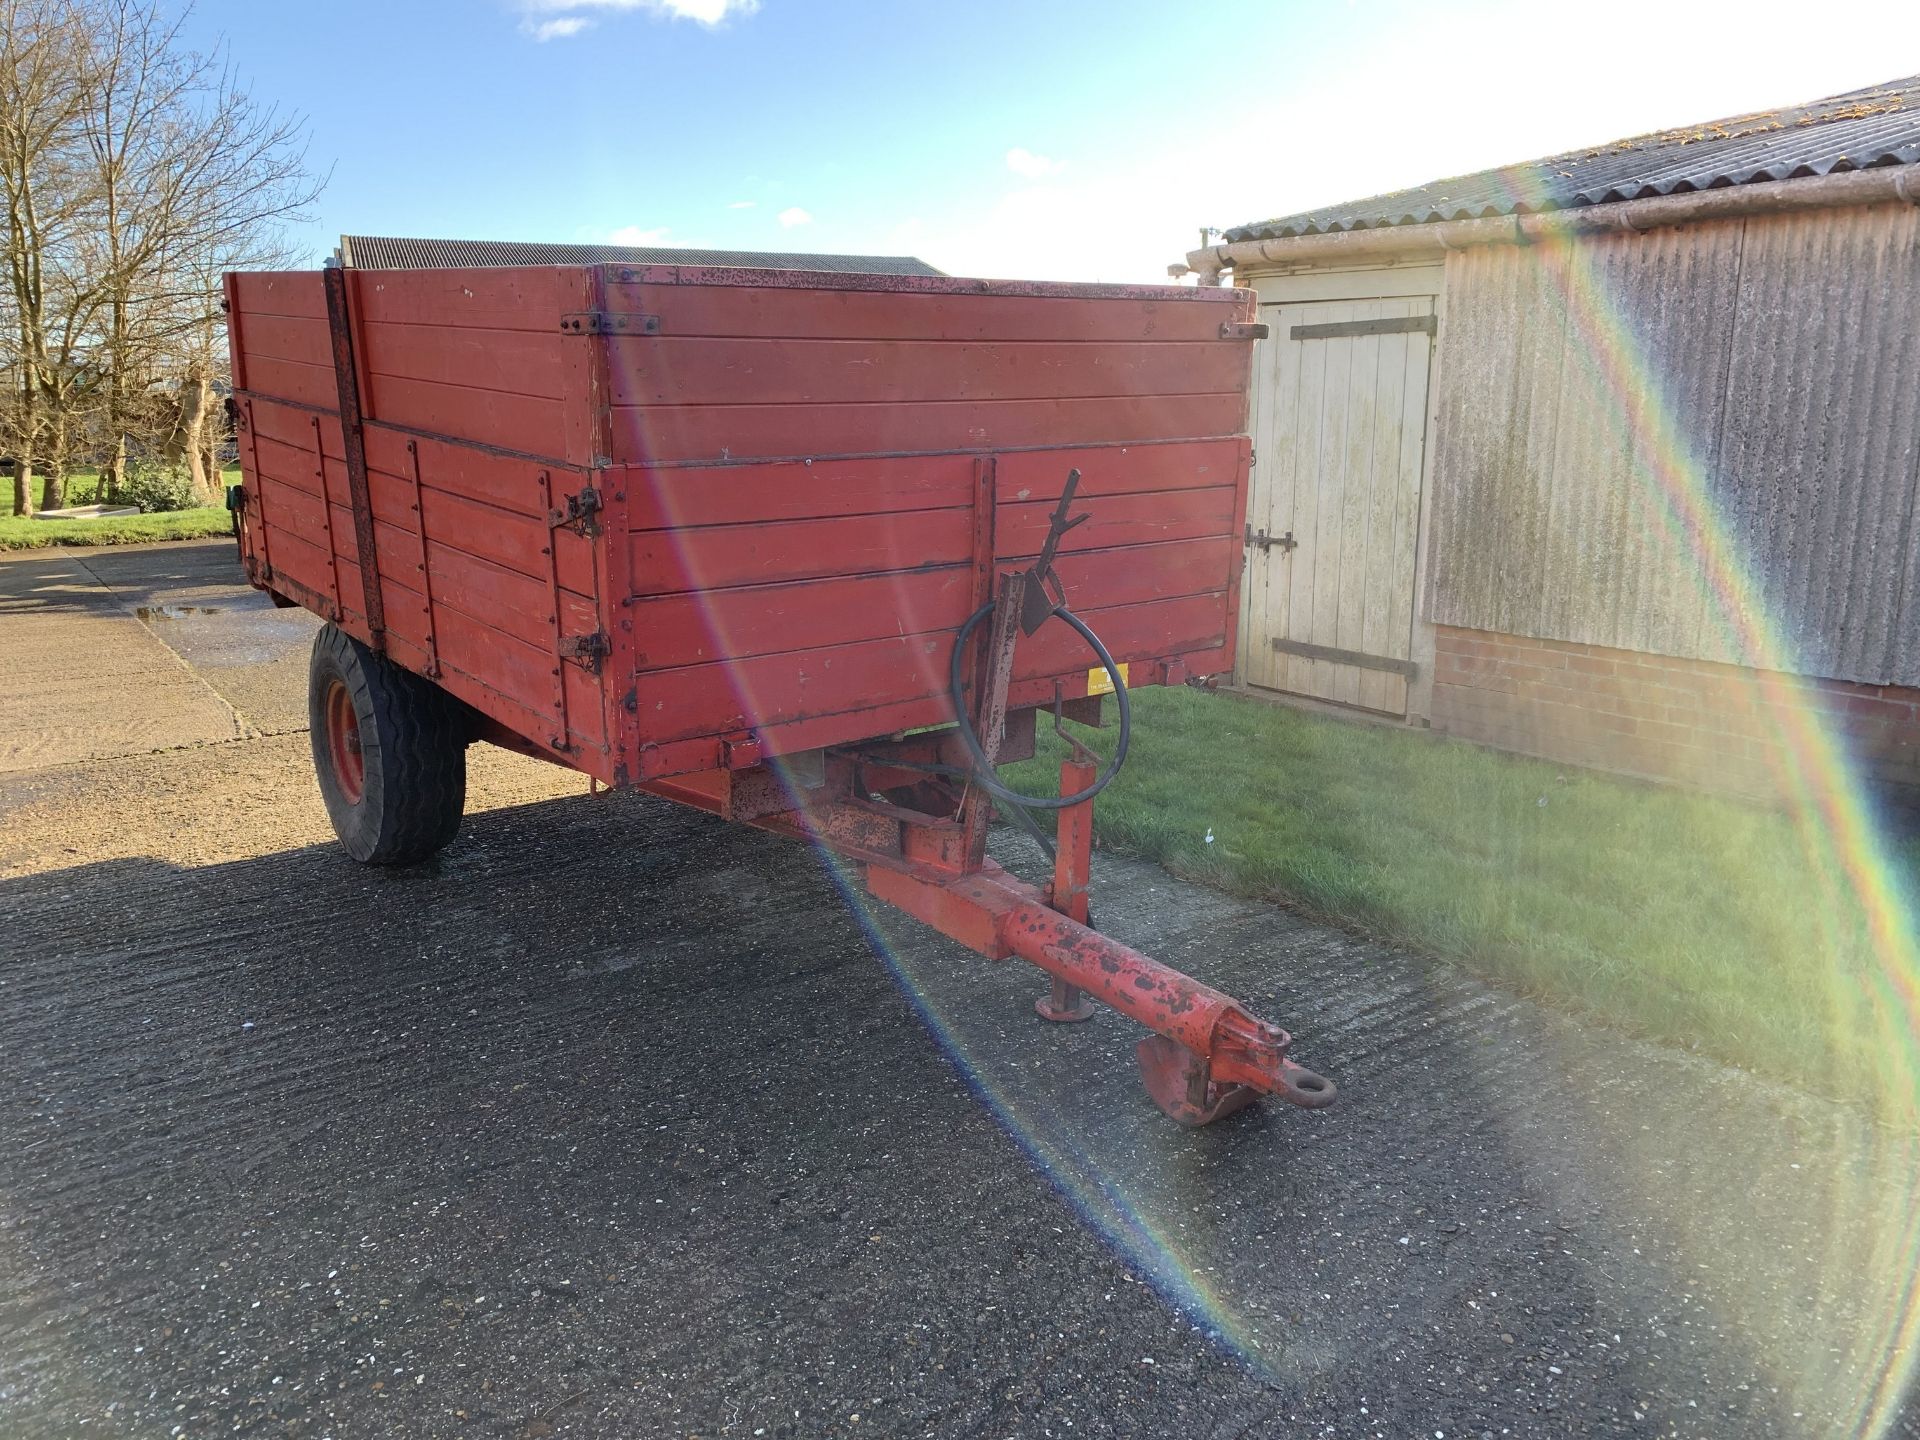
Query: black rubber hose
{"type": "Point", "coordinates": [983, 767]}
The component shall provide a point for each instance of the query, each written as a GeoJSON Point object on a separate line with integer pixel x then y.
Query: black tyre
{"type": "Point", "coordinates": [390, 750]}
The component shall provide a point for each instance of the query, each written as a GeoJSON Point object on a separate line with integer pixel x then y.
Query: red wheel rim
{"type": "Point", "coordinates": [343, 743]}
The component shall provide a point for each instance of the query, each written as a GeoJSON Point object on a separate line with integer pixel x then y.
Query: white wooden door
{"type": "Point", "coordinates": [1339, 424]}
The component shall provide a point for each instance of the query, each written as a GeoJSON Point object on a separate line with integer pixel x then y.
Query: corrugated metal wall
{"type": "Point", "coordinates": [1776, 358]}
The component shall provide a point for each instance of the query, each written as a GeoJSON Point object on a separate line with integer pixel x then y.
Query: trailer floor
{"type": "Point", "coordinates": [616, 1121]}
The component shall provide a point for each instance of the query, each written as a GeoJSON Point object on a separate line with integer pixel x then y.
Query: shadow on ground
{"type": "Point", "coordinates": [616, 1120]}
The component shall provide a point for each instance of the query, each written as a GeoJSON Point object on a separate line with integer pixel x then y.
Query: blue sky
{"type": "Point", "coordinates": [1058, 141]}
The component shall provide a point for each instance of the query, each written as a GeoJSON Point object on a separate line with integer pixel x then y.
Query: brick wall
{"type": "Point", "coordinates": [1717, 726]}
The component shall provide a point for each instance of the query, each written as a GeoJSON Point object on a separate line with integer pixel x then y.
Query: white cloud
{"type": "Point", "coordinates": [570, 17]}
{"type": "Point", "coordinates": [1031, 166]}
{"type": "Point", "coordinates": [743, 204]}
{"type": "Point", "coordinates": [634, 235]}
{"type": "Point", "coordinates": [793, 216]}
{"type": "Point", "coordinates": [557, 29]}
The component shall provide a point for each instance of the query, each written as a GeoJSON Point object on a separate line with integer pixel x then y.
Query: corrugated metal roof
{"type": "Point", "coordinates": [384, 252]}
{"type": "Point", "coordinates": [1859, 130]}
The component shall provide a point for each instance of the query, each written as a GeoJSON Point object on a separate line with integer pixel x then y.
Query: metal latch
{"type": "Point", "coordinates": [609, 322]}
{"type": "Point", "coordinates": [578, 512]}
{"type": "Point", "coordinates": [1267, 542]}
{"type": "Point", "coordinates": [1248, 330]}
{"type": "Point", "coordinates": [588, 651]}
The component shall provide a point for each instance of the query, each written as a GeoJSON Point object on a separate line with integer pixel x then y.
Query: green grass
{"type": "Point", "coordinates": [1687, 918]}
{"type": "Point", "coordinates": [19, 532]}
{"type": "Point", "coordinates": [23, 533]}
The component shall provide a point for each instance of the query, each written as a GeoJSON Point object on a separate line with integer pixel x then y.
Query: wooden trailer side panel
{"type": "Point", "coordinates": [478, 589]}
{"type": "Point", "coordinates": [763, 615]}
{"type": "Point", "coordinates": [755, 366]}
{"type": "Point", "coordinates": [805, 492]}
{"type": "Point", "coordinates": [805, 484]}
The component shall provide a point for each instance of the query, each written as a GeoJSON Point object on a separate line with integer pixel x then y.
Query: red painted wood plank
{"type": "Point", "coordinates": [688, 629]}
{"type": "Point", "coordinates": [727, 696]}
{"type": "Point", "coordinates": [1119, 520]}
{"type": "Point", "coordinates": [510, 482]}
{"type": "Point", "coordinates": [714, 557]}
{"type": "Point", "coordinates": [293, 508]}
{"type": "Point", "coordinates": [292, 426]}
{"type": "Point", "coordinates": [514, 542]}
{"type": "Point", "coordinates": [301, 555]}
{"type": "Point", "coordinates": [280, 292]}
{"type": "Point", "coordinates": [504, 662]}
{"type": "Point", "coordinates": [514, 604]}
{"type": "Point", "coordinates": [719, 432]}
{"type": "Point", "coordinates": [677, 757]}
{"type": "Point", "coordinates": [512, 362]}
{"type": "Point", "coordinates": [514, 545]}
{"type": "Point", "coordinates": [790, 490]}
{"type": "Point", "coordinates": [718, 699]}
{"type": "Point", "coordinates": [1103, 578]}
{"type": "Point", "coordinates": [522, 671]}
{"type": "Point", "coordinates": [673, 371]}
{"type": "Point", "coordinates": [521, 297]}
{"type": "Point", "coordinates": [293, 380]}
{"type": "Point", "coordinates": [833, 314]}
{"type": "Point", "coordinates": [1117, 469]}
{"type": "Point", "coordinates": [1130, 632]}
{"type": "Point", "coordinates": [527, 423]}
{"type": "Point", "coordinates": [285, 337]}
{"type": "Point", "coordinates": [289, 465]}
{"type": "Point", "coordinates": [406, 619]}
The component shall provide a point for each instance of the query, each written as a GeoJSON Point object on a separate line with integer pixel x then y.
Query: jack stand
{"type": "Point", "coordinates": [1066, 1004]}
{"type": "Point", "coordinates": [1181, 1083]}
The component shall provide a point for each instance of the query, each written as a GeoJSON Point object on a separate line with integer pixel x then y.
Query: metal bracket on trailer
{"type": "Point", "coordinates": [608, 322]}
{"type": "Point", "coordinates": [588, 651]}
{"type": "Point", "coordinates": [577, 512]}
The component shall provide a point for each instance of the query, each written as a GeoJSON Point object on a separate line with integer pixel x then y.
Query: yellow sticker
{"type": "Point", "coordinates": [1101, 683]}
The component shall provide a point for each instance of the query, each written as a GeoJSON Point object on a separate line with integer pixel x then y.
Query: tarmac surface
{"type": "Point", "coordinates": [615, 1120]}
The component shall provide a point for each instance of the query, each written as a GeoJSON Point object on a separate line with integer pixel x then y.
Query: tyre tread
{"type": "Point", "coordinates": [418, 795]}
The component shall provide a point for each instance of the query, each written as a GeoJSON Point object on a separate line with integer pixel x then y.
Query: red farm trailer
{"type": "Point", "coordinates": [810, 552]}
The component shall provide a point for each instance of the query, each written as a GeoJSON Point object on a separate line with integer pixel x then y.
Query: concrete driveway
{"type": "Point", "coordinates": [618, 1121]}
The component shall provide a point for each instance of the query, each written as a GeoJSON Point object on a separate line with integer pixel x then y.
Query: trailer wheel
{"type": "Point", "coordinates": [390, 751]}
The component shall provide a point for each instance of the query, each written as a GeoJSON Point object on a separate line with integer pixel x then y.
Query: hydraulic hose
{"type": "Point", "coordinates": [983, 767]}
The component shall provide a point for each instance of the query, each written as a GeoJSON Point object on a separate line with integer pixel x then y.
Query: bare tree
{"type": "Point", "coordinates": [136, 171]}
{"type": "Point", "coordinates": [43, 50]}
{"type": "Point", "coordinates": [194, 178]}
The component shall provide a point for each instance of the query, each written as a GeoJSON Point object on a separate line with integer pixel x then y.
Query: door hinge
{"type": "Point", "coordinates": [578, 512]}
{"type": "Point", "coordinates": [608, 322]}
{"type": "Point", "coordinates": [1244, 330]}
{"type": "Point", "coordinates": [588, 651]}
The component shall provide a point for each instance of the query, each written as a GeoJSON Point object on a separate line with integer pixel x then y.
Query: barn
{"type": "Point", "coordinates": [1610, 457]}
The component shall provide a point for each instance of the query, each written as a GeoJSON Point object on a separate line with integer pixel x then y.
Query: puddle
{"type": "Point", "coordinates": [229, 635]}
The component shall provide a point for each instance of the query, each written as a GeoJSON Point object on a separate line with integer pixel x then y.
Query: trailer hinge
{"type": "Point", "coordinates": [608, 322]}
{"type": "Point", "coordinates": [588, 651]}
{"type": "Point", "coordinates": [1249, 330]}
{"type": "Point", "coordinates": [578, 512]}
